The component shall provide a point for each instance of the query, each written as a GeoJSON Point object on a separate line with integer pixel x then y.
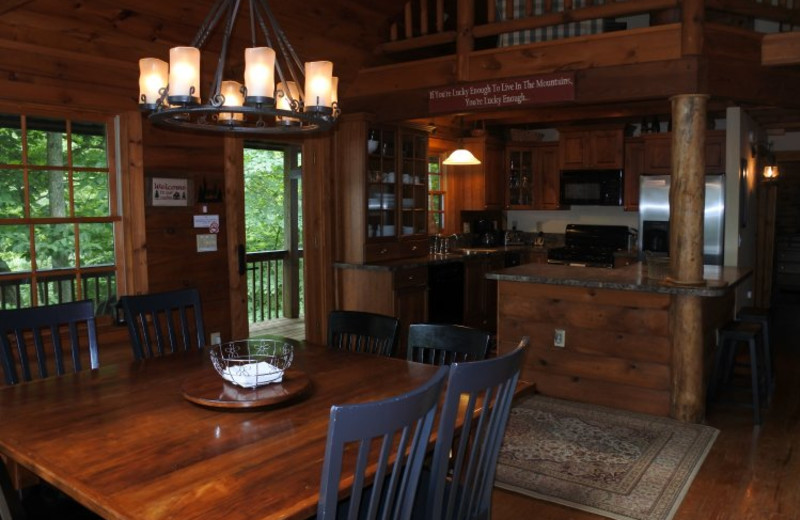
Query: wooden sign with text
{"type": "Point", "coordinates": [533, 90]}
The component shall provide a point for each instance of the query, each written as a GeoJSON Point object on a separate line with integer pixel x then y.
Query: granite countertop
{"type": "Point", "coordinates": [455, 256]}
{"type": "Point", "coordinates": [633, 277]}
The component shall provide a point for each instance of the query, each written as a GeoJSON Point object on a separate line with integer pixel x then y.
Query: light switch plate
{"type": "Point", "coordinates": [560, 338]}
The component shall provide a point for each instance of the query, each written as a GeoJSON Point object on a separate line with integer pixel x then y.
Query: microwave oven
{"type": "Point", "coordinates": [591, 188]}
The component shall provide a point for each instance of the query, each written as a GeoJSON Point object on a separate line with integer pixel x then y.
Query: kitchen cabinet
{"type": "Point", "coordinates": [480, 293]}
{"type": "Point", "coordinates": [402, 293]}
{"type": "Point", "coordinates": [591, 149]}
{"type": "Point", "coordinates": [531, 176]}
{"type": "Point", "coordinates": [381, 190]}
{"type": "Point", "coordinates": [658, 153]}
{"type": "Point", "coordinates": [520, 177]}
{"type": "Point", "coordinates": [634, 165]}
{"type": "Point", "coordinates": [479, 186]}
{"type": "Point", "coordinates": [549, 187]}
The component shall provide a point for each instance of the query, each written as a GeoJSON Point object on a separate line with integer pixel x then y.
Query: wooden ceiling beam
{"type": "Point", "coordinates": [9, 5]}
{"type": "Point", "coordinates": [781, 49]}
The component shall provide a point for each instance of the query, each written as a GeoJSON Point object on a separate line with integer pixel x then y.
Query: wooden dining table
{"type": "Point", "coordinates": [128, 442]}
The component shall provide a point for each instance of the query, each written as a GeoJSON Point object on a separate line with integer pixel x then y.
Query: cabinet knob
{"type": "Point", "coordinates": [414, 248]}
{"type": "Point", "coordinates": [384, 251]}
{"type": "Point", "coordinates": [411, 278]}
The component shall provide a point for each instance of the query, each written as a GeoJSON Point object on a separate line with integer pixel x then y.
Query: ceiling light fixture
{"type": "Point", "coordinates": [304, 100]}
{"type": "Point", "coordinates": [461, 157]}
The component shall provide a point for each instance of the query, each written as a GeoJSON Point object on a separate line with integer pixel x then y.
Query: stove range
{"type": "Point", "coordinates": [590, 246]}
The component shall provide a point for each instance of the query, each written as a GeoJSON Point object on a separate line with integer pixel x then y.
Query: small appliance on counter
{"type": "Point", "coordinates": [588, 245]}
{"type": "Point", "coordinates": [513, 238]}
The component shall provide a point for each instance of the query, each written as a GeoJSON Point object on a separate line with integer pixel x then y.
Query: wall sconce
{"type": "Point", "coordinates": [763, 151]}
{"type": "Point", "coordinates": [771, 172]}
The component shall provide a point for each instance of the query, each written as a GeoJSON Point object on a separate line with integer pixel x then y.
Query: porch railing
{"type": "Point", "coordinates": [425, 24]}
{"type": "Point", "coordinates": [98, 285]}
{"type": "Point", "coordinates": [274, 288]}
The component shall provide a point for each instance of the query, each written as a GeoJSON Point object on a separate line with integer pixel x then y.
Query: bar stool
{"type": "Point", "coordinates": [731, 336]}
{"type": "Point", "coordinates": [762, 316]}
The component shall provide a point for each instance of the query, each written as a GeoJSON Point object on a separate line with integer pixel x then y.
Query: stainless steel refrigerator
{"type": "Point", "coordinates": [654, 216]}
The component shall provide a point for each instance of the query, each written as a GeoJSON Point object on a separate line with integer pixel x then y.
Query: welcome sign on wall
{"type": "Point", "coordinates": [532, 90]}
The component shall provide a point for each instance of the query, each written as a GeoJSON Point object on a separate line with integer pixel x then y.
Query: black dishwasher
{"type": "Point", "coordinates": [446, 292]}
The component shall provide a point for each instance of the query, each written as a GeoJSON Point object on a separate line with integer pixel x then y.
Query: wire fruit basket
{"type": "Point", "coordinates": [251, 363]}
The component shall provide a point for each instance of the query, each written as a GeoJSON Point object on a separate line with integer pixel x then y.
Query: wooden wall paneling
{"type": "Point", "coordinates": [366, 290]}
{"type": "Point", "coordinates": [617, 342]}
{"type": "Point", "coordinates": [234, 230]}
{"type": "Point", "coordinates": [350, 178]}
{"type": "Point", "coordinates": [644, 400]}
{"type": "Point", "coordinates": [318, 241]}
{"type": "Point", "coordinates": [173, 260]}
{"type": "Point", "coordinates": [133, 213]}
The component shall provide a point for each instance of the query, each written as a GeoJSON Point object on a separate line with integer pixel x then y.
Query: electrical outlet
{"type": "Point", "coordinates": [560, 338]}
{"type": "Point", "coordinates": [215, 338]}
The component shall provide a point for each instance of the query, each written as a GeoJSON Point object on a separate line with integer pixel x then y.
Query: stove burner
{"type": "Point", "coordinates": [589, 246]}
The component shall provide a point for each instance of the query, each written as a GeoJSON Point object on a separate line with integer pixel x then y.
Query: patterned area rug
{"type": "Point", "coordinates": [613, 463]}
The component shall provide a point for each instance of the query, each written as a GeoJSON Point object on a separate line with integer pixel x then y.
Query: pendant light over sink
{"type": "Point", "coordinates": [461, 156]}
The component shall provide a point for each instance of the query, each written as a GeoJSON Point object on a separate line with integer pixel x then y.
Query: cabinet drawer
{"type": "Point", "coordinates": [382, 251]}
{"type": "Point", "coordinates": [414, 277]}
{"type": "Point", "coordinates": [415, 247]}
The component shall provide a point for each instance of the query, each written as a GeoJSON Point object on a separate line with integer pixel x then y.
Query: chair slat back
{"type": "Point", "coordinates": [443, 344]}
{"type": "Point", "coordinates": [388, 436]}
{"type": "Point", "coordinates": [363, 332]}
{"type": "Point", "coordinates": [465, 459]}
{"type": "Point", "coordinates": [44, 327]}
{"type": "Point", "coordinates": [164, 322]}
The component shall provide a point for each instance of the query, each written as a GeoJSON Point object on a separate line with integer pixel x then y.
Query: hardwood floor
{"type": "Point", "coordinates": [751, 472]}
{"type": "Point", "coordinates": [294, 328]}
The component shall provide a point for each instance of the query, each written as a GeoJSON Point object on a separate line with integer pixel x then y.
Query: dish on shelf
{"type": "Point", "coordinates": [408, 230]}
{"type": "Point", "coordinates": [387, 231]}
{"type": "Point", "coordinates": [408, 203]}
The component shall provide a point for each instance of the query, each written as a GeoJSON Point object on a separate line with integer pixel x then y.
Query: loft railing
{"type": "Point", "coordinates": [52, 287]}
{"type": "Point", "coordinates": [427, 24]}
{"type": "Point", "coordinates": [274, 285]}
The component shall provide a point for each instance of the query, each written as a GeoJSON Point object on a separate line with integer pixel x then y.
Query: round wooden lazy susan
{"type": "Point", "coordinates": [209, 389]}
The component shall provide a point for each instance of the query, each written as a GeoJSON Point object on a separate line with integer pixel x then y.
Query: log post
{"type": "Point", "coordinates": [692, 22]}
{"type": "Point", "coordinates": [465, 41]}
{"type": "Point", "coordinates": [687, 205]}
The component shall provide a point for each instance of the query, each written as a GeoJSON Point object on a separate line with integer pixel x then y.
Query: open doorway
{"type": "Point", "coordinates": [273, 238]}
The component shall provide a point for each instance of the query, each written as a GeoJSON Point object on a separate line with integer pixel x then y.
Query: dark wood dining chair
{"type": "Point", "coordinates": [363, 332]}
{"type": "Point", "coordinates": [389, 437]}
{"type": "Point", "coordinates": [164, 322]}
{"type": "Point", "coordinates": [40, 332]}
{"type": "Point", "coordinates": [464, 460]}
{"type": "Point", "coordinates": [443, 344]}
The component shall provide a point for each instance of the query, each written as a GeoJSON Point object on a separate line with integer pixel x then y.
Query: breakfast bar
{"type": "Point", "coordinates": [605, 336]}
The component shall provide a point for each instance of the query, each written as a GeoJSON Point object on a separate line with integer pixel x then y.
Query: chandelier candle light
{"type": "Point", "coordinates": [170, 93]}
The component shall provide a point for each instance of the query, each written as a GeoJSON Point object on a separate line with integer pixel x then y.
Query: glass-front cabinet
{"type": "Point", "coordinates": [519, 177]}
{"type": "Point", "coordinates": [381, 190]}
{"type": "Point", "coordinates": [413, 184]}
{"type": "Point", "coordinates": [381, 183]}
{"type": "Point", "coordinates": [396, 183]}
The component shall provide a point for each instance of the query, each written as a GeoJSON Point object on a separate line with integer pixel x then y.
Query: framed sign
{"type": "Point", "coordinates": [169, 191]}
{"type": "Point", "coordinates": [516, 92]}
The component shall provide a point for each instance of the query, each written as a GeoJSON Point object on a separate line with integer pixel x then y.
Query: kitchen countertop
{"type": "Point", "coordinates": [633, 277]}
{"type": "Point", "coordinates": [409, 263]}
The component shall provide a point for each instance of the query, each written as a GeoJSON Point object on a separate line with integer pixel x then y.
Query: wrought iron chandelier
{"type": "Point", "coordinates": [304, 100]}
